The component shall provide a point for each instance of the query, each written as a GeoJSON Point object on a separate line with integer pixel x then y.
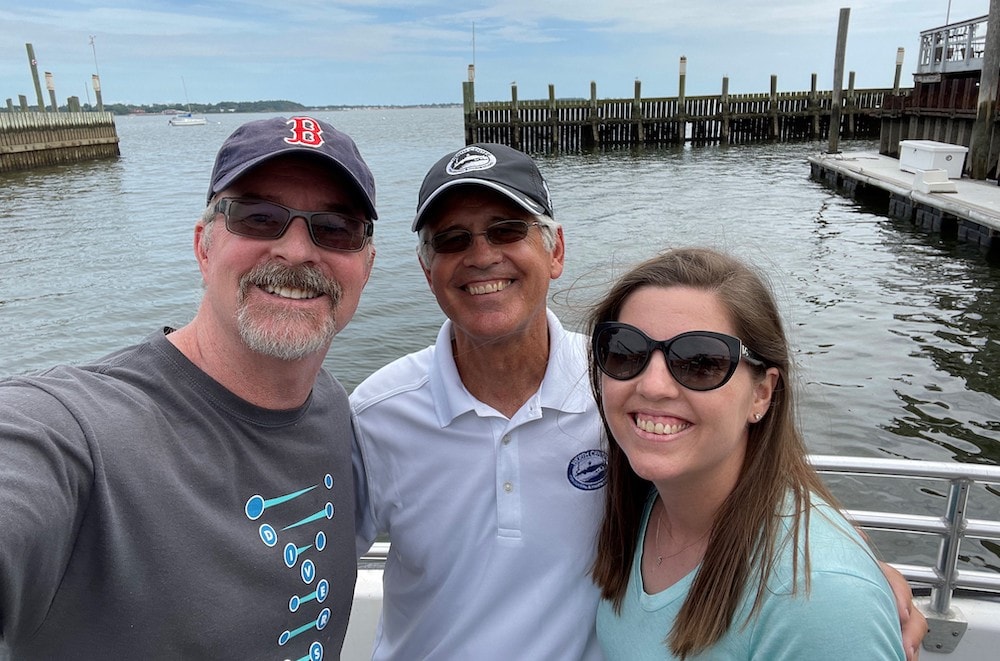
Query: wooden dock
{"type": "Point", "coordinates": [580, 124]}
{"type": "Point", "coordinates": [35, 139]}
{"type": "Point", "coordinates": [970, 213]}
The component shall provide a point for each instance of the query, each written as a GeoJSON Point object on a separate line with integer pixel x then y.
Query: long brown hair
{"type": "Point", "coordinates": [745, 533]}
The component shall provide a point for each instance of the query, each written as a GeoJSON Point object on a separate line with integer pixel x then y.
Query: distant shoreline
{"type": "Point", "coordinates": [227, 107]}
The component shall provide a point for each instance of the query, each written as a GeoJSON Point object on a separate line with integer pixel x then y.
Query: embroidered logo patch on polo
{"type": "Point", "coordinates": [588, 470]}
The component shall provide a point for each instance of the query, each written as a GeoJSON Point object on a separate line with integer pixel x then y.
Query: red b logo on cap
{"type": "Point", "coordinates": [305, 131]}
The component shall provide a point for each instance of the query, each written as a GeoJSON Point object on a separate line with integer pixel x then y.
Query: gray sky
{"type": "Point", "coordinates": [369, 52]}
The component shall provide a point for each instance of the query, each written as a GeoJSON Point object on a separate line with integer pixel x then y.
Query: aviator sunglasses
{"type": "Point", "coordinates": [260, 219]}
{"type": "Point", "coordinates": [499, 233]}
{"type": "Point", "coordinates": [698, 360]}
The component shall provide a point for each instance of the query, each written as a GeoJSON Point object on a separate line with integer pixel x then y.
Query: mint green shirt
{"type": "Point", "coordinates": [849, 612]}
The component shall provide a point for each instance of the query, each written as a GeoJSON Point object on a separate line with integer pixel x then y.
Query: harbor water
{"type": "Point", "coordinates": [896, 333]}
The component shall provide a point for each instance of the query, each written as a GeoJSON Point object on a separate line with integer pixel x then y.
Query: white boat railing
{"type": "Point", "coordinates": [952, 527]}
{"type": "Point", "coordinates": [978, 592]}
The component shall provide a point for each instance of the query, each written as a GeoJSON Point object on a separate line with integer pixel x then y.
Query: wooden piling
{"type": "Point", "coordinates": [838, 81]}
{"type": "Point", "coordinates": [980, 158]}
{"type": "Point", "coordinates": [33, 63]}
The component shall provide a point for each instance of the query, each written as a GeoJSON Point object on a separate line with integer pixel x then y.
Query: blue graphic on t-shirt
{"type": "Point", "coordinates": [295, 554]}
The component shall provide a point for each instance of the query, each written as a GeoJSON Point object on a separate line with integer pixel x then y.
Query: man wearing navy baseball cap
{"type": "Point", "coordinates": [186, 497]}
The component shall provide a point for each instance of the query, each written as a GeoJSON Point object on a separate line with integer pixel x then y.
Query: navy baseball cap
{"type": "Point", "coordinates": [259, 140]}
{"type": "Point", "coordinates": [502, 168]}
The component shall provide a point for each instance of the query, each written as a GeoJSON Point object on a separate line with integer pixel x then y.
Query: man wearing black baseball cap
{"type": "Point", "coordinates": [488, 478]}
{"type": "Point", "coordinates": [481, 456]}
{"type": "Point", "coordinates": [185, 497]}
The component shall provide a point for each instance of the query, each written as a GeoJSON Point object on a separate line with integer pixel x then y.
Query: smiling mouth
{"type": "Point", "coordinates": [291, 292]}
{"type": "Point", "coordinates": [488, 288]}
{"type": "Point", "coordinates": [659, 428]}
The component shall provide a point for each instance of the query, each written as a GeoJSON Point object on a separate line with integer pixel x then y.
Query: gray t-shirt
{"type": "Point", "coordinates": [146, 512]}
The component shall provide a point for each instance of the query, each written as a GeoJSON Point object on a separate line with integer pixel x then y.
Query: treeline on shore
{"type": "Point", "coordinates": [230, 106]}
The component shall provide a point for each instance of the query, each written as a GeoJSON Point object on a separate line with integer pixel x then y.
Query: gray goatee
{"type": "Point", "coordinates": [283, 336]}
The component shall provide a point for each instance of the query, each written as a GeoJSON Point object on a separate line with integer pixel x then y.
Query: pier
{"type": "Point", "coordinates": [36, 139]}
{"type": "Point", "coordinates": [36, 136]}
{"type": "Point", "coordinates": [581, 124]}
{"type": "Point", "coordinates": [963, 209]}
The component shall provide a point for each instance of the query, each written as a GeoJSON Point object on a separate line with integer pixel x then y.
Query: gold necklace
{"type": "Point", "coordinates": [659, 556]}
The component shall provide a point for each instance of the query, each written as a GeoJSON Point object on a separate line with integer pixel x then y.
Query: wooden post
{"type": "Point", "coordinates": [23, 100]}
{"type": "Point", "coordinates": [97, 92]}
{"type": "Point", "coordinates": [469, 110]}
{"type": "Point", "coordinates": [726, 111]}
{"type": "Point", "coordinates": [814, 109]}
{"type": "Point", "coordinates": [595, 132]}
{"type": "Point", "coordinates": [553, 118]}
{"type": "Point", "coordinates": [682, 67]}
{"type": "Point", "coordinates": [775, 129]}
{"type": "Point", "coordinates": [73, 104]}
{"type": "Point", "coordinates": [899, 70]}
{"type": "Point", "coordinates": [640, 131]}
{"type": "Point", "coordinates": [10, 104]}
{"type": "Point", "coordinates": [979, 152]}
{"type": "Point", "coordinates": [849, 105]}
{"type": "Point", "coordinates": [515, 112]}
{"type": "Point", "coordinates": [838, 81]}
{"type": "Point", "coordinates": [51, 87]}
{"type": "Point", "coordinates": [34, 76]}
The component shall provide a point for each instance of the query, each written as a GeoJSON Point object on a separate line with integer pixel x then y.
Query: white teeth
{"type": "Point", "coordinates": [491, 288]}
{"type": "Point", "coordinates": [659, 427]}
{"type": "Point", "coordinates": [288, 292]}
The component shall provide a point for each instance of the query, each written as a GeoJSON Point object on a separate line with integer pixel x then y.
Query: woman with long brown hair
{"type": "Point", "coordinates": [718, 538]}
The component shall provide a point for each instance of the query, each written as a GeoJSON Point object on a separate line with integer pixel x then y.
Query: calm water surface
{"type": "Point", "coordinates": [897, 334]}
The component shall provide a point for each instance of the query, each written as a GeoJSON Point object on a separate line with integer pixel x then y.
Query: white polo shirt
{"type": "Point", "coordinates": [492, 520]}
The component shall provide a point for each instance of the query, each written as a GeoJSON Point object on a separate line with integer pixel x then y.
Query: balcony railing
{"type": "Point", "coordinates": [954, 48]}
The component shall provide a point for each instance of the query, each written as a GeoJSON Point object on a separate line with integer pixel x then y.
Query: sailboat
{"type": "Point", "coordinates": [186, 118]}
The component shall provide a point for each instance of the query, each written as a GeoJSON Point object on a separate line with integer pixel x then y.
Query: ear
{"type": "Point", "coordinates": [201, 245]}
{"type": "Point", "coordinates": [371, 262]}
{"type": "Point", "coordinates": [762, 392]}
{"type": "Point", "coordinates": [426, 268]}
{"type": "Point", "coordinates": [558, 255]}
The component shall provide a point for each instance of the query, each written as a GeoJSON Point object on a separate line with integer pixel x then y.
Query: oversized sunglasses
{"type": "Point", "coordinates": [261, 219]}
{"type": "Point", "coordinates": [499, 233]}
{"type": "Point", "coordinates": [698, 360]}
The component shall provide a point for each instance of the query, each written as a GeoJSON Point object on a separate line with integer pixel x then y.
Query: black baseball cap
{"type": "Point", "coordinates": [502, 168]}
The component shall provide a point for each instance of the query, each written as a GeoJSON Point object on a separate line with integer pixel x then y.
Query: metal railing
{"type": "Point", "coordinates": [951, 527]}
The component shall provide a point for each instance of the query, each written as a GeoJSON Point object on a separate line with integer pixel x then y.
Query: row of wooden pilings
{"type": "Point", "coordinates": [36, 139]}
{"type": "Point", "coordinates": [569, 125]}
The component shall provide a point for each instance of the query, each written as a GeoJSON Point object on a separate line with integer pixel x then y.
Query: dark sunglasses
{"type": "Point", "coordinates": [499, 233]}
{"type": "Point", "coordinates": [698, 360]}
{"type": "Point", "coordinates": [261, 219]}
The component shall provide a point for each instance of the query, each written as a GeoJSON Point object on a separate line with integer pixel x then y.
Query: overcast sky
{"type": "Point", "coordinates": [370, 52]}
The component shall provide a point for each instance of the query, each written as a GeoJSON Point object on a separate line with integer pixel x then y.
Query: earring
{"type": "Point", "coordinates": [756, 417]}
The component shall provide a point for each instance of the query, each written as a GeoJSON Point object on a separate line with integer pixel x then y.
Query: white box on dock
{"type": "Point", "coordinates": [917, 155]}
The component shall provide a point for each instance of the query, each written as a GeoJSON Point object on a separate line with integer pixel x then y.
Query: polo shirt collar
{"type": "Point", "coordinates": [565, 386]}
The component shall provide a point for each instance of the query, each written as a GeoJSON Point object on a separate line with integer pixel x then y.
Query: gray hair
{"type": "Point", "coordinates": [548, 227]}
